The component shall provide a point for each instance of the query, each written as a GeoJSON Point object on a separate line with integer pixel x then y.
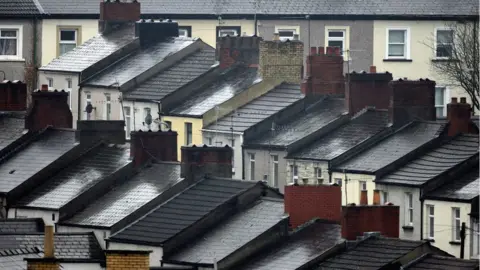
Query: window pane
{"type": "Point", "coordinates": [8, 33]}
{"type": "Point", "coordinates": [396, 36]}
{"type": "Point", "coordinates": [335, 43]}
{"type": "Point", "coordinates": [126, 110]}
{"type": "Point", "coordinates": [224, 33]}
{"type": "Point", "coordinates": [275, 174]}
{"type": "Point", "coordinates": [439, 112]}
{"type": "Point", "coordinates": [444, 36]}
{"type": "Point", "coordinates": [432, 210]}
{"type": "Point", "coordinates": [252, 170]}
{"type": "Point", "coordinates": [396, 50]}
{"type": "Point", "coordinates": [67, 35]}
{"type": "Point", "coordinates": [64, 48]}
{"type": "Point", "coordinates": [444, 50]}
{"type": "Point", "coordinates": [431, 227]}
{"type": "Point", "coordinates": [8, 46]}
{"type": "Point", "coordinates": [439, 96]}
{"type": "Point", "coordinates": [182, 33]}
{"type": "Point", "coordinates": [335, 33]}
{"type": "Point", "coordinates": [286, 33]}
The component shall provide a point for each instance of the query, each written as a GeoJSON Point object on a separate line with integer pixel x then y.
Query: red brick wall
{"type": "Point", "coordinates": [304, 203]}
{"type": "Point", "coordinates": [357, 220]}
{"type": "Point", "coordinates": [121, 11]}
{"type": "Point", "coordinates": [49, 108]}
{"type": "Point", "coordinates": [368, 90]}
{"type": "Point", "coordinates": [459, 116]}
{"type": "Point", "coordinates": [324, 73]}
{"type": "Point", "coordinates": [160, 144]}
{"type": "Point", "coordinates": [199, 161]}
{"type": "Point", "coordinates": [13, 96]}
{"type": "Point", "coordinates": [243, 50]}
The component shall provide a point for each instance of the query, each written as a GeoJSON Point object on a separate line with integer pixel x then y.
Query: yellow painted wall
{"type": "Point", "coordinates": [352, 186]}
{"type": "Point", "coordinates": [178, 125]}
{"type": "Point", "coordinates": [443, 220]}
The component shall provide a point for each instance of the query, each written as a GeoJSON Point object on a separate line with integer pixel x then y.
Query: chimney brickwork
{"type": "Point", "coordinates": [42, 264]}
{"type": "Point", "coordinates": [152, 31]}
{"type": "Point", "coordinates": [127, 259]}
{"type": "Point", "coordinates": [49, 108]}
{"type": "Point", "coordinates": [202, 161]}
{"type": "Point", "coordinates": [459, 116]}
{"type": "Point", "coordinates": [238, 50]}
{"type": "Point", "coordinates": [114, 14]}
{"type": "Point", "coordinates": [48, 262]}
{"type": "Point", "coordinates": [13, 96]}
{"type": "Point", "coordinates": [281, 60]}
{"type": "Point", "coordinates": [112, 131]}
{"type": "Point", "coordinates": [158, 145]}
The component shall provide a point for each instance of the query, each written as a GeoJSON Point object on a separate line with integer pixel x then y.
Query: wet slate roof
{"type": "Point", "coordinates": [224, 88]}
{"type": "Point", "coordinates": [173, 78]}
{"type": "Point", "coordinates": [92, 51]}
{"type": "Point", "coordinates": [329, 7]}
{"type": "Point", "coordinates": [17, 262]}
{"type": "Point", "coordinates": [124, 199]}
{"type": "Point", "coordinates": [302, 247]}
{"type": "Point", "coordinates": [434, 162]}
{"type": "Point", "coordinates": [185, 209]}
{"type": "Point", "coordinates": [259, 108]}
{"type": "Point", "coordinates": [436, 262]}
{"type": "Point", "coordinates": [464, 188]}
{"type": "Point", "coordinates": [303, 124]}
{"type": "Point", "coordinates": [393, 147]}
{"type": "Point", "coordinates": [49, 146]}
{"type": "Point", "coordinates": [232, 234]}
{"type": "Point", "coordinates": [77, 178]}
{"type": "Point", "coordinates": [14, 225]}
{"type": "Point", "coordinates": [372, 253]}
{"type": "Point", "coordinates": [139, 62]}
{"type": "Point", "coordinates": [12, 127]}
{"type": "Point", "coordinates": [346, 137]}
{"type": "Point", "coordinates": [20, 8]}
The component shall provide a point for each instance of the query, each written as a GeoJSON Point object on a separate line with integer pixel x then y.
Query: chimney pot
{"type": "Point", "coordinates": [145, 146]}
{"type": "Point", "coordinates": [313, 51]}
{"type": "Point", "coordinates": [373, 69]}
{"type": "Point", "coordinates": [376, 197]}
{"type": "Point", "coordinates": [49, 249]}
{"type": "Point", "coordinates": [321, 50]}
{"type": "Point", "coordinates": [44, 87]}
{"type": "Point", "coordinates": [454, 100]}
{"type": "Point", "coordinates": [463, 100]}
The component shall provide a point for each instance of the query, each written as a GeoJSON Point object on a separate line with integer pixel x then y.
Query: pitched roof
{"type": "Point", "coordinates": [303, 124]}
{"type": "Point", "coordinates": [259, 108]}
{"type": "Point", "coordinates": [178, 75]}
{"type": "Point", "coordinates": [222, 89]}
{"type": "Point", "coordinates": [436, 262]}
{"type": "Point", "coordinates": [371, 253]}
{"type": "Point", "coordinates": [139, 62]}
{"type": "Point", "coordinates": [12, 127]}
{"type": "Point", "coordinates": [344, 138]}
{"type": "Point", "coordinates": [77, 178]}
{"type": "Point", "coordinates": [301, 248]}
{"type": "Point", "coordinates": [232, 234]}
{"type": "Point", "coordinates": [20, 8]}
{"type": "Point", "coordinates": [464, 188]}
{"type": "Point", "coordinates": [16, 261]}
{"type": "Point", "coordinates": [393, 147]}
{"type": "Point", "coordinates": [14, 225]}
{"type": "Point", "coordinates": [183, 210]}
{"type": "Point", "coordinates": [122, 200]}
{"type": "Point", "coordinates": [435, 161]}
{"type": "Point", "coordinates": [46, 148]}
{"type": "Point", "coordinates": [91, 51]}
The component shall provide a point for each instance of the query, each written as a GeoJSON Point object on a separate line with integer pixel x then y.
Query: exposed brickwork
{"type": "Point", "coordinates": [243, 50]}
{"type": "Point", "coordinates": [324, 73]}
{"type": "Point", "coordinates": [459, 116]}
{"type": "Point", "coordinates": [159, 145]}
{"type": "Point", "coordinates": [368, 90]}
{"type": "Point", "coordinates": [13, 96]}
{"type": "Point", "coordinates": [119, 11]}
{"type": "Point", "coordinates": [49, 108]}
{"type": "Point", "coordinates": [43, 265]}
{"type": "Point", "coordinates": [357, 220]}
{"type": "Point", "coordinates": [307, 170]}
{"type": "Point", "coordinates": [281, 60]}
{"type": "Point", "coordinates": [304, 203]}
{"type": "Point", "coordinates": [124, 260]}
{"type": "Point", "coordinates": [111, 131]}
{"type": "Point", "coordinates": [199, 161]}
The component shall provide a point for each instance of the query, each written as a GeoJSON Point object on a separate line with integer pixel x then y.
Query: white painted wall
{"type": "Point", "coordinates": [221, 139]}
{"type": "Point", "coordinates": [81, 266]}
{"type": "Point", "coordinates": [101, 235]}
{"type": "Point", "coordinates": [351, 188]}
{"type": "Point", "coordinates": [155, 256]}
{"type": "Point", "coordinates": [46, 215]}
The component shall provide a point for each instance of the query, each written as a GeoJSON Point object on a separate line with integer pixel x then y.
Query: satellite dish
{"type": "Point", "coordinates": [89, 108]}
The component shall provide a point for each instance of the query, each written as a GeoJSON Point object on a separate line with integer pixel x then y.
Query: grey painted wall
{"type": "Point", "coordinates": [263, 166]}
{"type": "Point", "coordinates": [361, 37]}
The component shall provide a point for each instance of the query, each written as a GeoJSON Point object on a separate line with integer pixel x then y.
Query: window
{"type": "Point", "coordinates": [169, 124]}
{"type": "Point", "coordinates": [294, 170]}
{"type": "Point", "coordinates": [252, 166]}
{"type": "Point", "coordinates": [336, 38]}
{"type": "Point", "coordinates": [397, 46]}
{"type": "Point", "coordinates": [456, 224]}
{"type": "Point", "coordinates": [408, 209]}
{"type": "Point", "coordinates": [188, 133]}
{"type": "Point", "coordinates": [440, 101]}
{"type": "Point", "coordinates": [128, 120]}
{"type": "Point", "coordinates": [430, 221]}
{"type": "Point", "coordinates": [223, 31]}
{"type": "Point", "coordinates": [53, 217]}
{"type": "Point", "coordinates": [10, 42]}
{"type": "Point", "coordinates": [443, 43]}
{"type": "Point", "coordinates": [274, 170]}
{"type": "Point", "coordinates": [209, 139]}
{"type": "Point", "coordinates": [233, 162]}
{"type": "Point", "coordinates": [219, 143]}
{"type": "Point", "coordinates": [184, 31]}
{"type": "Point", "coordinates": [384, 197]}
{"type": "Point", "coordinates": [318, 173]}
{"type": "Point", "coordinates": [108, 106]}
{"type": "Point", "coordinates": [232, 142]}
{"type": "Point", "coordinates": [68, 88]}
{"type": "Point", "coordinates": [475, 238]}
{"type": "Point", "coordinates": [67, 40]}
{"type": "Point", "coordinates": [50, 82]}
{"type": "Point", "coordinates": [363, 185]}
{"type": "Point", "coordinates": [286, 34]}
{"type": "Point", "coordinates": [88, 100]}
{"type": "Point", "coordinates": [338, 181]}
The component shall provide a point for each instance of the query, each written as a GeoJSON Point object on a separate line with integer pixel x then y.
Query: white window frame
{"type": "Point", "coordinates": [294, 32]}
{"type": "Point", "coordinates": [183, 30]}
{"type": "Point", "coordinates": [475, 239]}
{"type": "Point", "coordinates": [129, 116]}
{"type": "Point", "coordinates": [88, 99]}
{"type": "Point", "coordinates": [50, 83]}
{"type": "Point", "coordinates": [363, 185]}
{"type": "Point", "coordinates": [435, 40]}
{"type": "Point", "coordinates": [251, 157]}
{"type": "Point", "coordinates": [445, 100]}
{"type": "Point", "coordinates": [318, 173]}
{"type": "Point", "coordinates": [68, 88]}
{"type": "Point", "coordinates": [294, 171]}
{"type": "Point", "coordinates": [430, 220]}
{"type": "Point", "coordinates": [342, 39]}
{"type": "Point", "coordinates": [346, 39]}
{"type": "Point", "coordinates": [384, 197]}
{"type": "Point", "coordinates": [67, 42]}
{"type": "Point", "coordinates": [407, 43]}
{"type": "Point", "coordinates": [186, 124]}
{"type": "Point", "coordinates": [338, 181]}
{"type": "Point", "coordinates": [227, 30]}
{"type": "Point", "coordinates": [209, 140]}
{"type": "Point", "coordinates": [19, 56]}
{"type": "Point", "coordinates": [145, 109]}
{"type": "Point", "coordinates": [108, 104]}
{"type": "Point", "coordinates": [274, 175]}
{"type": "Point", "coordinates": [409, 209]}
{"type": "Point", "coordinates": [456, 227]}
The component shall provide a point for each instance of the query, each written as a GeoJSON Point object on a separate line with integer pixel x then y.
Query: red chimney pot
{"type": "Point", "coordinates": [44, 87]}
{"type": "Point", "coordinates": [313, 51]}
{"type": "Point", "coordinates": [454, 100]}
{"type": "Point", "coordinates": [373, 69]}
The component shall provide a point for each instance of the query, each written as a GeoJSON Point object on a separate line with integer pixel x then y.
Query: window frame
{"type": "Point", "coordinates": [238, 29]}
{"type": "Point", "coordinates": [338, 181]}
{"type": "Point", "coordinates": [188, 29]}
{"type": "Point", "coordinates": [318, 173]}
{"type": "Point", "coordinates": [108, 106]}
{"type": "Point", "coordinates": [188, 132]}
{"type": "Point", "coordinates": [129, 116]}
{"type": "Point", "coordinates": [145, 115]}
{"type": "Point", "coordinates": [436, 43]}
{"type": "Point", "coordinates": [430, 221]}
{"type": "Point", "coordinates": [406, 49]}
{"type": "Point", "coordinates": [409, 209]}
{"type": "Point", "coordinates": [294, 32]}
{"type": "Point", "coordinates": [169, 123]}
{"type": "Point", "coordinates": [78, 35]}
{"type": "Point", "coordinates": [475, 238]}
{"type": "Point", "coordinates": [50, 82]}
{"type": "Point", "coordinates": [384, 197]}
{"type": "Point", "coordinates": [456, 228]}
{"type": "Point", "coordinates": [251, 161]}
{"type": "Point", "coordinates": [342, 39]}
{"type": "Point", "coordinates": [19, 37]}
{"type": "Point", "coordinates": [275, 163]}
{"type": "Point", "coordinates": [346, 38]}
{"type": "Point", "coordinates": [294, 171]}
{"type": "Point", "coordinates": [68, 89]}
{"type": "Point", "coordinates": [88, 99]}
{"type": "Point", "coordinates": [445, 99]}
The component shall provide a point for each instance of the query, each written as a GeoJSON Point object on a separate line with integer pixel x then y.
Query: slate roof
{"type": "Point", "coordinates": [77, 178]}
{"type": "Point", "coordinates": [259, 108]}
{"type": "Point", "coordinates": [14, 225]}
{"type": "Point", "coordinates": [222, 89]}
{"type": "Point", "coordinates": [464, 188]}
{"type": "Point", "coordinates": [393, 147]}
{"type": "Point", "coordinates": [436, 262]}
{"type": "Point", "coordinates": [303, 7]}
{"type": "Point", "coordinates": [12, 127]}
{"type": "Point", "coordinates": [48, 147]}
{"type": "Point", "coordinates": [183, 210]}
{"type": "Point", "coordinates": [303, 124]}
{"type": "Point", "coordinates": [344, 138]}
{"type": "Point", "coordinates": [301, 248]}
{"type": "Point", "coordinates": [17, 262]}
{"type": "Point", "coordinates": [92, 50]}
{"type": "Point", "coordinates": [372, 253]}
{"type": "Point", "coordinates": [435, 162]}
{"type": "Point", "coordinates": [139, 62]}
{"type": "Point", "coordinates": [124, 199]}
{"type": "Point", "coordinates": [20, 8]}
{"type": "Point", "coordinates": [176, 76]}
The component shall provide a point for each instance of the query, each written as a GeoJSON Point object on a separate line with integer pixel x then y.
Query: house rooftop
{"type": "Point", "coordinates": [344, 138]}
{"type": "Point", "coordinates": [16, 261]}
{"type": "Point", "coordinates": [232, 234]}
{"type": "Point", "coordinates": [181, 211]}
{"type": "Point", "coordinates": [127, 197]}
{"type": "Point", "coordinates": [78, 178]}
{"type": "Point", "coordinates": [174, 77]}
{"type": "Point", "coordinates": [19, 225]}
{"type": "Point", "coordinates": [464, 188]}
{"type": "Point", "coordinates": [303, 124]}
{"type": "Point", "coordinates": [431, 261]}
{"type": "Point", "coordinates": [393, 147]}
{"type": "Point", "coordinates": [12, 127]}
{"type": "Point", "coordinates": [435, 162]}
{"type": "Point", "coordinates": [258, 109]}
{"type": "Point", "coordinates": [20, 8]}
{"type": "Point", "coordinates": [301, 247]}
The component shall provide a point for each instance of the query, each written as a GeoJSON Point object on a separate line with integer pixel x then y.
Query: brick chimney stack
{"type": "Point", "coordinates": [13, 96]}
{"type": "Point", "coordinates": [114, 14]}
{"type": "Point", "coordinates": [153, 145]}
{"type": "Point", "coordinates": [90, 131]}
{"type": "Point", "coordinates": [238, 50]}
{"type": "Point", "coordinates": [281, 60]}
{"type": "Point", "coordinates": [198, 162]}
{"type": "Point", "coordinates": [459, 116]}
{"type": "Point", "coordinates": [48, 262]}
{"type": "Point", "coordinates": [152, 31]}
{"type": "Point", "coordinates": [127, 259]}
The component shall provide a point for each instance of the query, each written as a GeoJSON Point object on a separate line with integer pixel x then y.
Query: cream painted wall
{"type": "Point", "coordinates": [99, 100]}
{"type": "Point", "coordinates": [178, 125]}
{"type": "Point", "coordinates": [155, 256]}
{"type": "Point", "coordinates": [46, 215]}
{"type": "Point", "coordinates": [351, 188]}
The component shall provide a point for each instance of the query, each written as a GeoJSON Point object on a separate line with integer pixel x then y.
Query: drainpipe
{"type": "Point", "coordinates": [79, 102]}
{"type": "Point", "coordinates": [421, 216]}
{"type": "Point", "coordinates": [35, 42]}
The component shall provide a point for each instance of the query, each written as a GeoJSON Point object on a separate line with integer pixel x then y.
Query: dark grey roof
{"type": "Point", "coordinates": [185, 209]}
{"type": "Point", "coordinates": [232, 234]}
{"type": "Point", "coordinates": [67, 245]}
{"type": "Point", "coordinates": [123, 200]}
{"type": "Point", "coordinates": [224, 88]}
{"type": "Point", "coordinates": [91, 51]}
{"type": "Point", "coordinates": [49, 146]}
{"type": "Point", "coordinates": [394, 147]}
{"type": "Point", "coordinates": [20, 8]}
{"type": "Point", "coordinates": [336, 143]}
{"type": "Point", "coordinates": [302, 247]}
{"type": "Point", "coordinates": [12, 127]}
{"type": "Point", "coordinates": [436, 262]}
{"type": "Point", "coordinates": [178, 75]}
{"type": "Point", "coordinates": [303, 124]}
{"type": "Point", "coordinates": [77, 178]}
{"type": "Point", "coordinates": [435, 161]}
{"type": "Point", "coordinates": [139, 62]}
{"type": "Point", "coordinates": [463, 188]}
{"type": "Point", "coordinates": [259, 108]}
{"type": "Point", "coordinates": [17, 262]}
{"type": "Point", "coordinates": [372, 253]}
{"type": "Point", "coordinates": [14, 225]}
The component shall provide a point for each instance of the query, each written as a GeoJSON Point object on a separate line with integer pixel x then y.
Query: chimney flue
{"type": "Point", "coordinates": [463, 100]}
{"type": "Point", "coordinates": [373, 69]}
{"type": "Point", "coordinates": [454, 100]}
{"type": "Point", "coordinates": [49, 249]}
{"type": "Point", "coordinates": [44, 87]}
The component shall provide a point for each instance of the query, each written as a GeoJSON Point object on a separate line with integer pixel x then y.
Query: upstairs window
{"type": "Point", "coordinates": [252, 166]}
{"type": "Point", "coordinates": [440, 101]}
{"type": "Point", "coordinates": [336, 38]}
{"type": "Point", "coordinates": [430, 222]}
{"type": "Point", "coordinates": [188, 133]}
{"type": "Point", "coordinates": [294, 171]}
{"type": "Point", "coordinates": [397, 47]}
{"type": "Point", "coordinates": [10, 42]}
{"type": "Point", "coordinates": [443, 43]}
{"type": "Point", "coordinates": [456, 224]}
{"type": "Point", "coordinates": [274, 170]}
{"type": "Point", "coordinates": [232, 31]}
{"type": "Point", "coordinates": [108, 107]}
{"type": "Point", "coordinates": [68, 88]}
{"type": "Point", "coordinates": [68, 40]}
{"type": "Point", "coordinates": [88, 100]}
{"type": "Point", "coordinates": [285, 34]}
{"type": "Point", "coordinates": [408, 209]}
{"type": "Point", "coordinates": [184, 31]}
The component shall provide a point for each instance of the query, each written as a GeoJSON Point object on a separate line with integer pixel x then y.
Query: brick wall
{"type": "Point", "coordinates": [281, 60]}
{"type": "Point", "coordinates": [49, 108]}
{"type": "Point", "coordinates": [324, 72]}
{"type": "Point", "coordinates": [459, 116]}
{"type": "Point", "coordinates": [125, 259]}
{"type": "Point", "coordinates": [119, 11]}
{"type": "Point", "coordinates": [243, 50]}
{"type": "Point", "coordinates": [158, 145]}
{"type": "Point", "coordinates": [306, 169]}
{"type": "Point", "coordinates": [43, 265]}
{"type": "Point", "coordinates": [13, 96]}
{"type": "Point", "coordinates": [206, 160]}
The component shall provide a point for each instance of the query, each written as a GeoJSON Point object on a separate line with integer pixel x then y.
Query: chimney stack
{"type": "Point", "coordinates": [459, 116]}
{"type": "Point", "coordinates": [49, 249]}
{"type": "Point", "coordinates": [13, 96]}
{"type": "Point", "coordinates": [91, 131]}
{"type": "Point", "coordinates": [152, 31]}
{"type": "Point", "coordinates": [198, 162]}
{"type": "Point", "coordinates": [324, 72]}
{"type": "Point", "coordinates": [127, 259]}
{"type": "Point", "coordinates": [48, 262]}
{"type": "Point", "coordinates": [153, 145]}
{"type": "Point", "coordinates": [238, 50]}
{"type": "Point", "coordinates": [281, 60]}
{"type": "Point", "coordinates": [114, 14]}
{"type": "Point", "coordinates": [48, 108]}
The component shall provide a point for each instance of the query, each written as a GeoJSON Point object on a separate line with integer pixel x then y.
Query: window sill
{"type": "Point", "coordinates": [6, 59]}
{"type": "Point", "coordinates": [397, 60]}
{"type": "Point", "coordinates": [443, 60]}
{"type": "Point", "coordinates": [407, 228]}
{"type": "Point", "coordinates": [455, 243]}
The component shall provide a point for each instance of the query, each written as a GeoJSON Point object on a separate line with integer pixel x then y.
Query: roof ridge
{"type": "Point", "coordinates": [39, 7]}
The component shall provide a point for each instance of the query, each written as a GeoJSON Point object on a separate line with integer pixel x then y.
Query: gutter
{"type": "Point", "coordinates": [223, 132]}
